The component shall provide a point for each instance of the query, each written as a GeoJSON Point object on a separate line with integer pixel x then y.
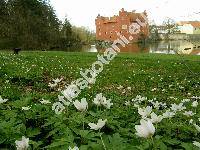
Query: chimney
{"type": "Point", "coordinates": [145, 13]}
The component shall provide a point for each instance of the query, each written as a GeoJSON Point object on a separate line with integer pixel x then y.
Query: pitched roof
{"type": "Point", "coordinates": [195, 24]}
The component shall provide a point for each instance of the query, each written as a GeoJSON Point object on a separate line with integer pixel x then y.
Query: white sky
{"type": "Point", "coordinates": [84, 12]}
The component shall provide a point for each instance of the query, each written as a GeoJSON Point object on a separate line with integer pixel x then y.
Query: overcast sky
{"type": "Point", "coordinates": [84, 12]}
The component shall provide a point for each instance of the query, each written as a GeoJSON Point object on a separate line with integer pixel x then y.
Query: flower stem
{"type": "Point", "coordinates": [67, 110]}
{"type": "Point", "coordinates": [83, 120]}
{"type": "Point", "coordinates": [102, 140]}
{"type": "Point", "coordinates": [152, 141]}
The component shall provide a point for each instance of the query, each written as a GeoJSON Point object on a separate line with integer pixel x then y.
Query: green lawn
{"type": "Point", "coordinates": [24, 82]}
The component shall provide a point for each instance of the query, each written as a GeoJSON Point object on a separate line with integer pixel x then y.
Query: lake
{"type": "Point", "coordinates": [164, 47]}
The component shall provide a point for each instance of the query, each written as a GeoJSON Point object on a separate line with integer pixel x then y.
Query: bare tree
{"type": "Point", "coordinates": [170, 27]}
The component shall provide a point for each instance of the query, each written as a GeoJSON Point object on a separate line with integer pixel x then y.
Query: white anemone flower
{"type": "Point", "coordinates": [3, 100]}
{"type": "Point", "coordinates": [197, 127]}
{"type": "Point", "coordinates": [196, 144]}
{"type": "Point", "coordinates": [189, 113]}
{"type": "Point", "coordinates": [155, 118]}
{"type": "Point", "coordinates": [43, 101]}
{"type": "Point", "coordinates": [146, 129]}
{"type": "Point", "coordinates": [23, 144]}
{"type": "Point", "coordinates": [57, 80]}
{"type": "Point", "coordinates": [75, 148]}
{"type": "Point", "coordinates": [81, 106]}
{"type": "Point", "coordinates": [26, 108]}
{"type": "Point", "coordinates": [127, 103]}
{"type": "Point", "coordinates": [156, 104]}
{"type": "Point", "coordinates": [195, 104]}
{"type": "Point", "coordinates": [168, 114]}
{"type": "Point", "coordinates": [195, 97]}
{"type": "Point", "coordinates": [191, 121]}
{"type": "Point", "coordinates": [185, 100]}
{"type": "Point", "coordinates": [52, 85]}
{"type": "Point", "coordinates": [107, 104]}
{"type": "Point", "coordinates": [145, 112]}
{"type": "Point", "coordinates": [62, 99]}
{"type": "Point", "coordinates": [139, 99]}
{"type": "Point", "coordinates": [178, 107]}
{"type": "Point", "coordinates": [101, 100]}
{"type": "Point", "coordinates": [164, 105]}
{"type": "Point", "coordinates": [129, 88]}
{"type": "Point", "coordinates": [101, 123]}
{"type": "Point", "coordinates": [136, 105]}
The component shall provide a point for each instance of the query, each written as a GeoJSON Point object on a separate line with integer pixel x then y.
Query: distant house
{"type": "Point", "coordinates": [162, 29]}
{"type": "Point", "coordinates": [108, 27]}
{"type": "Point", "coordinates": [189, 27]}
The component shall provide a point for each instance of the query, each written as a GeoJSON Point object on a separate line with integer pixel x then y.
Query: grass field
{"type": "Point", "coordinates": [169, 79]}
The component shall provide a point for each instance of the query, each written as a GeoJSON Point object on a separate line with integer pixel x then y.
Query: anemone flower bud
{"type": "Point", "coordinates": [146, 129]}
{"type": "Point", "coordinates": [97, 126]}
{"type": "Point", "coordinates": [195, 104]}
{"type": "Point", "coordinates": [81, 106]}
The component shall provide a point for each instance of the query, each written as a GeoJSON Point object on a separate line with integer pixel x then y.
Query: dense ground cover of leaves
{"type": "Point", "coordinates": [24, 82]}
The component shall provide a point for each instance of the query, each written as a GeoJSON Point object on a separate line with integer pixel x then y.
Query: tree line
{"type": "Point", "coordinates": [33, 24]}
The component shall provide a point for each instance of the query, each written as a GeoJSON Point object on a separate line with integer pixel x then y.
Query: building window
{"type": "Point", "coordinates": [105, 32]}
{"type": "Point", "coordinates": [99, 33]}
{"type": "Point", "coordinates": [110, 32]}
{"type": "Point", "coordinates": [124, 27]}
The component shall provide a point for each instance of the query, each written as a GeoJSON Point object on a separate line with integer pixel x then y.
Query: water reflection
{"type": "Point", "coordinates": [164, 47]}
{"type": "Point", "coordinates": [173, 47]}
{"type": "Point", "coordinates": [90, 48]}
{"type": "Point", "coordinates": [134, 48]}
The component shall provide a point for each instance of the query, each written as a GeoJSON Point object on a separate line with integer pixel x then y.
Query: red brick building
{"type": "Point", "coordinates": [107, 28]}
